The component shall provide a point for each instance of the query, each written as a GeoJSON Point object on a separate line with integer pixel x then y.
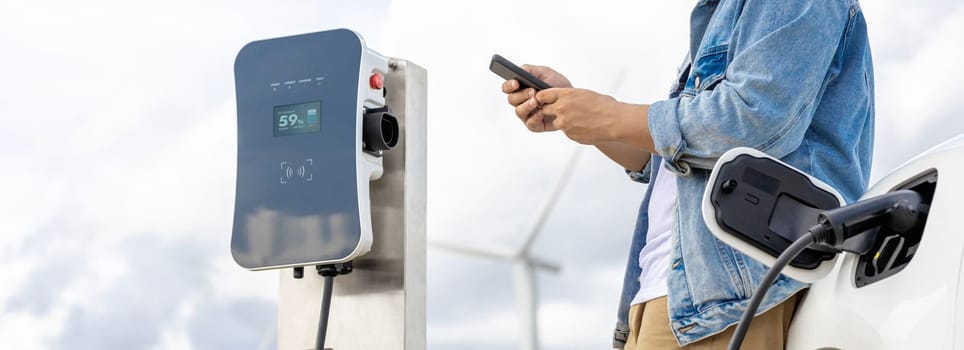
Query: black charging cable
{"type": "Point", "coordinates": [328, 272]}
{"type": "Point", "coordinates": [785, 258]}
{"type": "Point", "coordinates": [900, 211]}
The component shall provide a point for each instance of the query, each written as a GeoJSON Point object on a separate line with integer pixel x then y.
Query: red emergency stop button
{"type": "Point", "coordinates": [376, 81]}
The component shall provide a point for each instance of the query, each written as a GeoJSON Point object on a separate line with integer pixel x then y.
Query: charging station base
{"type": "Point", "coordinates": [381, 305]}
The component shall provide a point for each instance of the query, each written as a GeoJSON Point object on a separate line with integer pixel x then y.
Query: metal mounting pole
{"type": "Point", "coordinates": [381, 305]}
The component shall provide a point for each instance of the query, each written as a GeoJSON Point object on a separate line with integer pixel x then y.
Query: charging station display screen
{"type": "Point", "coordinates": [301, 118]}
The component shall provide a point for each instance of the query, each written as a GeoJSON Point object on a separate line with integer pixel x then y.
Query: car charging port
{"type": "Point", "coordinates": [891, 250]}
{"type": "Point", "coordinates": [379, 130]}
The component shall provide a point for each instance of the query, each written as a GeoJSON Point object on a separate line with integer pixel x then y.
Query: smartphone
{"type": "Point", "coordinates": [508, 70]}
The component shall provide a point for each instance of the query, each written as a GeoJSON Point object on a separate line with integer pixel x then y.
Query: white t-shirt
{"type": "Point", "coordinates": [654, 257]}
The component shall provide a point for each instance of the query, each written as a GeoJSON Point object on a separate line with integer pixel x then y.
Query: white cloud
{"type": "Point", "coordinates": [492, 331]}
{"type": "Point", "coordinates": [28, 331]}
{"type": "Point", "coordinates": [575, 325]}
{"type": "Point", "coordinates": [916, 79]}
{"type": "Point", "coordinates": [579, 306]}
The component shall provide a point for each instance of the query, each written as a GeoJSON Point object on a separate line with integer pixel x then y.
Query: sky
{"type": "Point", "coordinates": [118, 145]}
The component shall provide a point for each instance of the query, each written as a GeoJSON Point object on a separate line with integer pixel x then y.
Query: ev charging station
{"type": "Point", "coordinates": [331, 182]}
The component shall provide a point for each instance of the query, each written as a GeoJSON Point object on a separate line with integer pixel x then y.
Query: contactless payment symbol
{"type": "Point", "coordinates": [302, 172]}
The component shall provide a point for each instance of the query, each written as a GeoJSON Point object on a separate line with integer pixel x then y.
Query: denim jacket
{"type": "Point", "coordinates": [791, 78]}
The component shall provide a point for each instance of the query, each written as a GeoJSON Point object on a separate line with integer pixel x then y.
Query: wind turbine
{"type": "Point", "coordinates": [524, 265]}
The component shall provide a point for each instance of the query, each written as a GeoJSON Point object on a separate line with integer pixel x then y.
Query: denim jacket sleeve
{"type": "Point", "coordinates": [777, 62]}
{"type": "Point", "coordinates": [642, 176]}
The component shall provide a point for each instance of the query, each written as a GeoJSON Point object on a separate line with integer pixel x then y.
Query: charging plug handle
{"type": "Point", "coordinates": [899, 211]}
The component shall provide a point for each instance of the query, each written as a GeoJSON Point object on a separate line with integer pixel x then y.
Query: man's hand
{"type": "Point", "coordinates": [619, 130]}
{"type": "Point", "coordinates": [585, 116]}
{"type": "Point", "coordinates": [526, 106]}
{"type": "Point", "coordinates": [591, 118]}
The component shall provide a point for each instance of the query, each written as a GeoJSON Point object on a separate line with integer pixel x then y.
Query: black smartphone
{"type": "Point", "coordinates": [508, 70]}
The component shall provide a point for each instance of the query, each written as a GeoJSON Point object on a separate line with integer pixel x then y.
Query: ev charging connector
{"type": "Point", "coordinates": [762, 207]}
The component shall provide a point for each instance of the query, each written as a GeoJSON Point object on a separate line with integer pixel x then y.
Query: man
{"type": "Point", "coordinates": [791, 78]}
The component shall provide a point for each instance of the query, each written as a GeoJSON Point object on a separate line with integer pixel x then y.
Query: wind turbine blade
{"type": "Point", "coordinates": [550, 203]}
{"type": "Point", "coordinates": [480, 252]}
{"type": "Point", "coordinates": [544, 265]}
{"type": "Point", "coordinates": [561, 183]}
{"type": "Point", "coordinates": [525, 288]}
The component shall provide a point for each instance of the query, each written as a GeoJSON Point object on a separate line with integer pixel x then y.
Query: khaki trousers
{"type": "Point", "coordinates": [649, 329]}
